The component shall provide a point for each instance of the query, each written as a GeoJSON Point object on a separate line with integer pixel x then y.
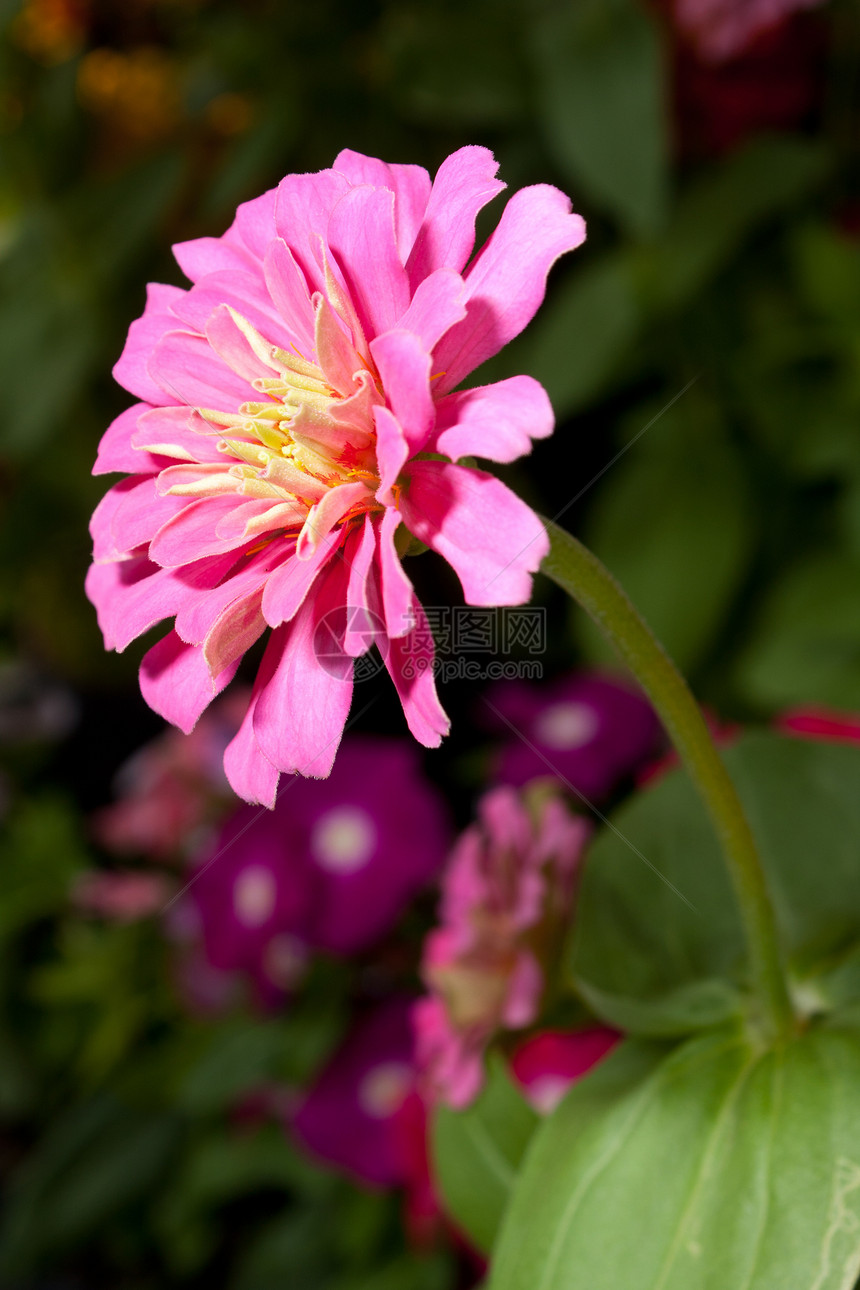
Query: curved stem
{"type": "Point", "coordinates": [583, 577]}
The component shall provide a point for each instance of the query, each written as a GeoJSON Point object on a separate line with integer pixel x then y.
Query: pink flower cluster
{"type": "Point", "coordinates": [172, 788]}
{"type": "Point", "coordinates": [506, 893]}
{"type": "Point", "coordinates": [299, 423]}
{"type": "Point", "coordinates": [721, 29]}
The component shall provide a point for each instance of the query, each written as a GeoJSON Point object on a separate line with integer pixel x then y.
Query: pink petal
{"type": "Point", "coordinates": [464, 183]}
{"type": "Point", "coordinates": [287, 586]}
{"type": "Point", "coordinates": [398, 596]}
{"type": "Point", "coordinates": [130, 369]}
{"type": "Point", "coordinates": [250, 773]}
{"type": "Point", "coordinates": [301, 712]}
{"type": "Point", "coordinates": [192, 534]}
{"type": "Point", "coordinates": [233, 347]}
{"type": "Point", "coordinates": [404, 365]}
{"type": "Point", "coordinates": [493, 421]}
{"type": "Point", "coordinates": [239, 626]}
{"type": "Point", "coordinates": [302, 209]}
{"type": "Point", "coordinates": [525, 988]}
{"type": "Point", "coordinates": [324, 514]}
{"type": "Point", "coordinates": [363, 625]}
{"type": "Point", "coordinates": [392, 453]}
{"type": "Point", "coordinates": [175, 681]}
{"type": "Point", "coordinates": [255, 223]}
{"type": "Point", "coordinates": [260, 516]}
{"type": "Point", "coordinates": [285, 474]}
{"type": "Point", "coordinates": [198, 615]}
{"type": "Point", "coordinates": [170, 433]}
{"type": "Point", "coordinates": [438, 303]}
{"type": "Point", "coordinates": [410, 185]}
{"type": "Point", "coordinates": [247, 293]}
{"type": "Point", "coordinates": [507, 280]}
{"type": "Point", "coordinates": [361, 236]}
{"type": "Point", "coordinates": [204, 255]}
{"type": "Point", "coordinates": [487, 534]}
{"type": "Point", "coordinates": [191, 479]}
{"type": "Point", "coordinates": [453, 1063]}
{"type": "Point", "coordinates": [357, 410]}
{"type": "Point", "coordinates": [101, 522]}
{"type": "Point", "coordinates": [289, 291]}
{"type": "Point", "coordinates": [506, 821]}
{"type": "Point", "coordinates": [409, 661]}
{"type": "Point", "coordinates": [128, 515]}
{"type": "Point", "coordinates": [186, 366]}
{"type": "Point", "coordinates": [334, 352]}
{"type": "Point", "coordinates": [338, 296]}
{"type": "Point", "coordinates": [130, 596]}
{"type": "Point", "coordinates": [116, 450]}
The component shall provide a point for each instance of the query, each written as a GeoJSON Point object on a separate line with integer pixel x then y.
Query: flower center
{"type": "Point", "coordinates": [300, 442]}
{"type": "Point", "coordinates": [383, 1089]}
{"type": "Point", "coordinates": [254, 896]}
{"type": "Point", "coordinates": [343, 840]}
{"type": "Point", "coordinates": [565, 726]}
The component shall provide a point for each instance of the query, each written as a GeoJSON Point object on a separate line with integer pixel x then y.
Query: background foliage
{"type": "Point", "coordinates": [703, 356]}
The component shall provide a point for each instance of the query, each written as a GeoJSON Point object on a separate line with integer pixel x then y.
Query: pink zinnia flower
{"type": "Point", "coordinates": [506, 894]}
{"type": "Point", "coordinates": [121, 896]}
{"type": "Point", "coordinates": [721, 29]}
{"type": "Point", "coordinates": [298, 406]}
{"type": "Point", "coordinates": [173, 788]}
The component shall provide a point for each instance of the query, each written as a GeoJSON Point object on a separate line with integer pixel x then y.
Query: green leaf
{"type": "Point", "coordinates": [599, 69]}
{"type": "Point", "coordinates": [477, 1153]}
{"type": "Point", "coordinates": [435, 76]}
{"type": "Point", "coordinates": [699, 1005]}
{"type": "Point", "coordinates": [99, 1159]}
{"type": "Point", "coordinates": [115, 219]}
{"type": "Point", "coordinates": [678, 503]}
{"type": "Point", "coordinates": [806, 644]}
{"type": "Point", "coordinates": [39, 857]}
{"type": "Point", "coordinates": [242, 1053]}
{"type": "Point", "coordinates": [293, 1250]}
{"type": "Point", "coordinates": [213, 1172]}
{"type": "Point", "coordinates": [827, 264]}
{"type": "Point", "coordinates": [717, 1168]}
{"type": "Point", "coordinates": [657, 922]}
{"type": "Point", "coordinates": [718, 211]}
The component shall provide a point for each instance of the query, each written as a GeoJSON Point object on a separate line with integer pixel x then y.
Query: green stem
{"type": "Point", "coordinates": [583, 577]}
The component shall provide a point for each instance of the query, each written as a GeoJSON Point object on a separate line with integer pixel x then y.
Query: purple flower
{"type": "Point", "coordinates": [250, 903]}
{"type": "Point", "coordinates": [349, 1117]}
{"type": "Point", "coordinates": [331, 868]}
{"type": "Point", "coordinates": [375, 832]}
{"type": "Point", "coordinates": [586, 730]}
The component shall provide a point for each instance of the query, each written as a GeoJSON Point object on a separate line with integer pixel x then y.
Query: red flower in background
{"type": "Point", "coordinates": [767, 75]}
{"type": "Point", "coordinates": [723, 29]}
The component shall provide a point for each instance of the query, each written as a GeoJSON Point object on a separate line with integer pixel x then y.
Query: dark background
{"type": "Point", "coordinates": [709, 331]}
